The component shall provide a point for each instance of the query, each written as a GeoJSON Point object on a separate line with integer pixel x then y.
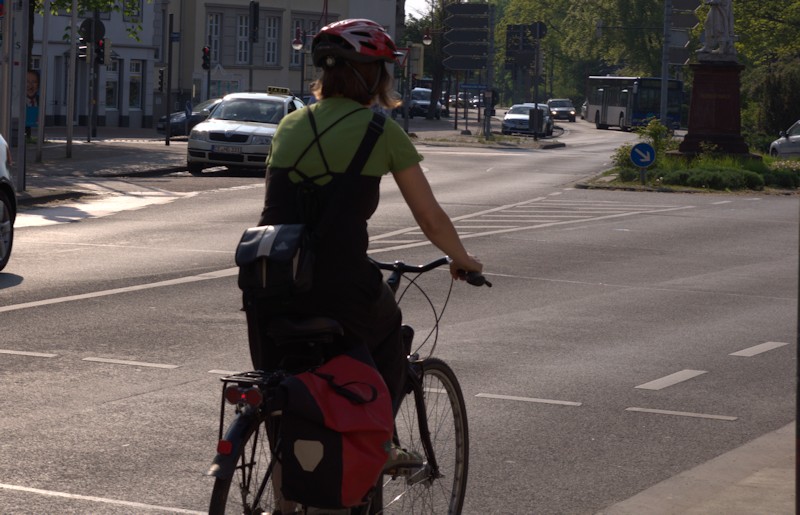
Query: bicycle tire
{"type": "Point", "coordinates": [235, 495]}
{"type": "Point", "coordinates": [421, 492]}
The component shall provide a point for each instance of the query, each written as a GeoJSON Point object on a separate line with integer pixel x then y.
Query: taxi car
{"type": "Point", "coordinates": [238, 132]}
{"type": "Point", "coordinates": [8, 205]}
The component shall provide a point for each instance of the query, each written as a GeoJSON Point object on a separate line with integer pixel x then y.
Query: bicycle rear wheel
{"type": "Point", "coordinates": [427, 491]}
{"type": "Point", "coordinates": [240, 493]}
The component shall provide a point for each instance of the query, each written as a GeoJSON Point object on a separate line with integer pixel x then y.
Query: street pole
{"type": "Point", "coordinates": [43, 83]}
{"type": "Point", "coordinates": [168, 129]}
{"type": "Point", "coordinates": [22, 25]}
{"type": "Point", "coordinates": [665, 60]}
{"type": "Point", "coordinates": [6, 60]}
{"type": "Point", "coordinates": [487, 131]}
{"type": "Point", "coordinates": [73, 64]}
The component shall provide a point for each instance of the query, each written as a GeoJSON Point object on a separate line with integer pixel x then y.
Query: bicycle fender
{"type": "Point", "coordinates": [224, 465]}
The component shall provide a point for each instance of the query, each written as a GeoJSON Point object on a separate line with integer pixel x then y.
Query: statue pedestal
{"type": "Point", "coordinates": [715, 110]}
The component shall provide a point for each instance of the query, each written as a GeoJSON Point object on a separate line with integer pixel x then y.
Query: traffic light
{"type": "Point", "coordinates": [206, 58]}
{"type": "Point", "coordinates": [100, 51]}
{"type": "Point", "coordinates": [161, 79]}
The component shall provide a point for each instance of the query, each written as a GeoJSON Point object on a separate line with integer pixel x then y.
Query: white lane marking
{"type": "Point", "coordinates": [721, 202]}
{"type": "Point", "coordinates": [473, 227]}
{"type": "Point", "coordinates": [130, 363]}
{"type": "Point", "coordinates": [172, 282]}
{"type": "Point", "coordinates": [671, 379]}
{"type": "Point", "coordinates": [683, 414]}
{"type": "Point", "coordinates": [436, 390]}
{"type": "Point", "coordinates": [527, 399]}
{"type": "Point", "coordinates": [758, 349]}
{"type": "Point", "coordinates": [222, 372]}
{"type": "Point", "coordinates": [26, 353]}
{"type": "Point", "coordinates": [127, 504]}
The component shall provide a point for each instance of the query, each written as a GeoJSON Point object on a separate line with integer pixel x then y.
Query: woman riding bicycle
{"type": "Point", "coordinates": [317, 147]}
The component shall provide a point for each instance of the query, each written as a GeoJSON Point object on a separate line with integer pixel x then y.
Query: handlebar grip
{"type": "Point", "coordinates": [477, 279]}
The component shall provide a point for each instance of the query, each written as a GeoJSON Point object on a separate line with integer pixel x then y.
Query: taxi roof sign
{"type": "Point", "coordinates": [275, 90]}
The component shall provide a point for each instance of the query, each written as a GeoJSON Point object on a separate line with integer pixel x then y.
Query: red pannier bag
{"type": "Point", "coordinates": [336, 429]}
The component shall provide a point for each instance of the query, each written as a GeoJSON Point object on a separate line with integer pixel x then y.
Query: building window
{"type": "Point", "coordinates": [220, 88]}
{"type": "Point", "coordinates": [214, 29]}
{"type": "Point", "coordinates": [242, 39]}
{"type": "Point", "coordinates": [272, 31]}
{"type": "Point", "coordinates": [133, 15]}
{"type": "Point", "coordinates": [135, 85]}
{"type": "Point", "coordinates": [112, 85]}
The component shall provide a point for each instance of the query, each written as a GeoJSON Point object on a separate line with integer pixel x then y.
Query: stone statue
{"type": "Point", "coordinates": [719, 29]}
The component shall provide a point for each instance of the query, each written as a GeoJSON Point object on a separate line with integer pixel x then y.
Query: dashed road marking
{"type": "Point", "coordinates": [129, 363]}
{"type": "Point", "coordinates": [527, 399]}
{"type": "Point", "coordinates": [683, 414]}
{"type": "Point", "coordinates": [27, 353]}
{"type": "Point", "coordinates": [672, 379]}
{"type": "Point", "coordinates": [758, 349]}
{"type": "Point", "coordinates": [91, 498]}
{"type": "Point", "coordinates": [222, 372]}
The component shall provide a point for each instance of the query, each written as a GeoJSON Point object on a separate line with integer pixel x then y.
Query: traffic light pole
{"type": "Point", "coordinates": [168, 128]}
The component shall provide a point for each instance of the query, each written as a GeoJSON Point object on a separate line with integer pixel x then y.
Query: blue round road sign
{"type": "Point", "coordinates": [643, 155]}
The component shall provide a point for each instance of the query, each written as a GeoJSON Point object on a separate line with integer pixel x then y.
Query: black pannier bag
{"type": "Point", "coordinates": [275, 260]}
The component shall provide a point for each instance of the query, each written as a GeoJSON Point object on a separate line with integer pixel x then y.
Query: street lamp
{"type": "Point", "coordinates": [299, 43]}
{"type": "Point", "coordinates": [427, 39]}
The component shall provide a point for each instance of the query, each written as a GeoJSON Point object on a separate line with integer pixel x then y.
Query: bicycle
{"type": "Point", "coordinates": [431, 422]}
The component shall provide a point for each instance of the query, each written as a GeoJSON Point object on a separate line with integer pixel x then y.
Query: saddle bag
{"type": "Point", "coordinates": [275, 260]}
{"type": "Point", "coordinates": [336, 429]}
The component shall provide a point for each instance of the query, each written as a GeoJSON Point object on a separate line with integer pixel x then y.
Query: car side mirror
{"type": "Point", "coordinates": [783, 134]}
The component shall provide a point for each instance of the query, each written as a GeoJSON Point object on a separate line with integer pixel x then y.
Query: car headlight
{"type": "Point", "coordinates": [199, 135]}
{"type": "Point", "coordinates": [553, 112]}
{"type": "Point", "coordinates": [261, 140]}
{"type": "Point", "coordinates": [572, 111]}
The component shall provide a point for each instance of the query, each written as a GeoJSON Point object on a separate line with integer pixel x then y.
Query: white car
{"type": "Point", "coordinates": [517, 120]}
{"type": "Point", "coordinates": [8, 204]}
{"type": "Point", "coordinates": [239, 131]}
{"type": "Point", "coordinates": [788, 145]}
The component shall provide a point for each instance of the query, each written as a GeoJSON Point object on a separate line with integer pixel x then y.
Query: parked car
{"type": "Point", "coordinates": [420, 102]}
{"type": "Point", "coordinates": [788, 145]}
{"type": "Point", "coordinates": [517, 120]}
{"type": "Point", "coordinates": [8, 204]}
{"type": "Point", "coordinates": [177, 122]}
{"type": "Point", "coordinates": [561, 109]}
{"type": "Point", "coordinates": [238, 132]}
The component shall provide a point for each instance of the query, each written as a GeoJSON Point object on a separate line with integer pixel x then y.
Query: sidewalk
{"type": "Point", "coordinates": [756, 478]}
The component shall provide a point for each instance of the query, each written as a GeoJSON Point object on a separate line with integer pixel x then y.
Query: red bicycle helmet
{"type": "Point", "coordinates": [358, 39]}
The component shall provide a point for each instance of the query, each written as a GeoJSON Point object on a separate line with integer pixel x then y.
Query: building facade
{"type": "Point", "coordinates": [161, 70]}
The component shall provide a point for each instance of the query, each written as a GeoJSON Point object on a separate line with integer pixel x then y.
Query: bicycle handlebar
{"type": "Point", "coordinates": [399, 268]}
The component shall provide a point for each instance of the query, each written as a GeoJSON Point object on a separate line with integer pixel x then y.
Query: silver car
{"type": "Point", "coordinates": [518, 120]}
{"type": "Point", "coordinates": [788, 145]}
{"type": "Point", "coordinates": [8, 204]}
{"type": "Point", "coordinates": [239, 131]}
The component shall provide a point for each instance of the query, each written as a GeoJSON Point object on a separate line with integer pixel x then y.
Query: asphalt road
{"type": "Point", "coordinates": [118, 317]}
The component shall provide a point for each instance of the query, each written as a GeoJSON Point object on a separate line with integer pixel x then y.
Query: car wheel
{"type": "Point", "coordinates": [774, 152]}
{"type": "Point", "coordinates": [194, 168]}
{"type": "Point", "coordinates": [572, 120]}
{"type": "Point", "coordinates": [6, 229]}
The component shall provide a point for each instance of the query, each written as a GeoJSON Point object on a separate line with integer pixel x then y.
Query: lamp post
{"type": "Point", "coordinates": [299, 44]}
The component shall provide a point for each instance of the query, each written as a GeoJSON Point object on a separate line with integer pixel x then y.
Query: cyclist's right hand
{"type": "Point", "coordinates": [468, 269]}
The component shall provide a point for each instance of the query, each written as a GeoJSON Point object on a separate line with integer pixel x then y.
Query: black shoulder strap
{"type": "Point", "coordinates": [374, 131]}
